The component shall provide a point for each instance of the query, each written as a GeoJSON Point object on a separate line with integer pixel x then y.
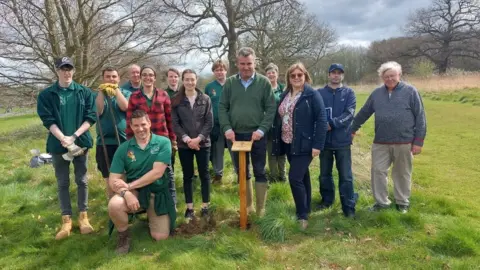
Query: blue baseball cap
{"type": "Point", "coordinates": [64, 61]}
{"type": "Point", "coordinates": [336, 66]}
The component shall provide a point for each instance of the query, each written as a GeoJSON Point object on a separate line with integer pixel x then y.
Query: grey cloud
{"type": "Point", "coordinates": [365, 20]}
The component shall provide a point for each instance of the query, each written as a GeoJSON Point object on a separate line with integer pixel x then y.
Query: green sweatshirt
{"type": "Point", "coordinates": [214, 91]}
{"type": "Point", "coordinates": [247, 109]}
{"type": "Point", "coordinates": [278, 92]}
{"type": "Point", "coordinates": [56, 105]}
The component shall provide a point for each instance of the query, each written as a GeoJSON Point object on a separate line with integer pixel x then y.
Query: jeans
{"type": "Point", "coordinates": [258, 156]}
{"type": "Point", "coordinates": [343, 160]}
{"type": "Point", "coordinates": [62, 173]}
{"type": "Point", "coordinates": [186, 159]}
{"type": "Point", "coordinates": [299, 178]}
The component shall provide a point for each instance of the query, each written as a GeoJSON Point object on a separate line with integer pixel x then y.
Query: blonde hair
{"type": "Point", "coordinates": [302, 68]}
{"type": "Point", "coordinates": [388, 66]}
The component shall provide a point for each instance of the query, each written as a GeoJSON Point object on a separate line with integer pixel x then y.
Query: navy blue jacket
{"type": "Point", "coordinates": [309, 124]}
{"type": "Point", "coordinates": [340, 105]}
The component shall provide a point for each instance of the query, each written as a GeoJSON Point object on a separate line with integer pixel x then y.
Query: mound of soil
{"type": "Point", "coordinates": [197, 225]}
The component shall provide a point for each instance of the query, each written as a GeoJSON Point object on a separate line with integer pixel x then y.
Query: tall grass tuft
{"type": "Point", "coordinates": [278, 222]}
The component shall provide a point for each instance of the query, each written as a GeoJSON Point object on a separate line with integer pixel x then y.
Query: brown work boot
{"type": "Point", "coordinates": [217, 179]}
{"type": "Point", "coordinates": [123, 244]}
{"type": "Point", "coordinates": [66, 228]}
{"type": "Point", "coordinates": [84, 224]}
{"type": "Point", "coordinates": [250, 208]}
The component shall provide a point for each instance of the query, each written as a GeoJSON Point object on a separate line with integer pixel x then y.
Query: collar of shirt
{"type": "Point", "coordinates": [133, 142]}
{"type": "Point", "coordinates": [247, 82]}
{"type": "Point", "coordinates": [70, 87]}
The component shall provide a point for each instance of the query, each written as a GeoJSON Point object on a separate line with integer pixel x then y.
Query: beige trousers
{"type": "Point", "coordinates": [383, 156]}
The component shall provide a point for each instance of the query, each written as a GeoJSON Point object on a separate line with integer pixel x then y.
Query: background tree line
{"type": "Point", "coordinates": [98, 33]}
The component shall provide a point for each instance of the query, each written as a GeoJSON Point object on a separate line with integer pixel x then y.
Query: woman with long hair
{"type": "Point", "coordinates": [300, 129]}
{"type": "Point", "coordinates": [192, 123]}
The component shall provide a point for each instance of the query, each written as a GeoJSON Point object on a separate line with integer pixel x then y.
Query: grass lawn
{"type": "Point", "coordinates": [442, 230]}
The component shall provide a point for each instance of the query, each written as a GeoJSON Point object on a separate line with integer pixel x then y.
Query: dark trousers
{"type": "Point", "coordinates": [299, 178]}
{"type": "Point", "coordinates": [258, 156]}
{"type": "Point", "coordinates": [62, 173]}
{"type": "Point", "coordinates": [343, 160]}
{"type": "Point", "coordinates": [186, 159]}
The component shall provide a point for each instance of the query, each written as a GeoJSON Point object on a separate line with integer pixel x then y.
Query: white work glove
{"type": "Point", "coordinates": [75, 150]}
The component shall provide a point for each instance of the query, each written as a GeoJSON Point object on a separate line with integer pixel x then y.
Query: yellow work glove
{"type": "Point", "coordinates": [108, 89]}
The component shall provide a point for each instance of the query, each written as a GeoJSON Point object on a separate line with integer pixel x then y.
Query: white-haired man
{"type": "Point", "coordinates": [400, 129]}
{"type": "Point", "coordinates": [134, 83]}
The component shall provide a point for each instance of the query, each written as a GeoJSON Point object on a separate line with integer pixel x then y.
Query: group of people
{"type": "Point", "coordinates": [140, 128]}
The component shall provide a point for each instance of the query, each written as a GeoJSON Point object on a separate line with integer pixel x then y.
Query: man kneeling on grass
{"type": "Point", "coordinates": [142, 160]}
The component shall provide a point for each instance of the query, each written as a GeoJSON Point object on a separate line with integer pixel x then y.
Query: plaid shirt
{"type": "Point", "coordinates": [160, 113]}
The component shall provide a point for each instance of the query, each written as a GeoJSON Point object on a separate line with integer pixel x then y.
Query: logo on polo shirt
{"type": "Point", "coordinates": [131, 155]}
{"type": "Point", "coordinates": [155, 150]}
{"type": "Point", "coordinates": [214, 93]}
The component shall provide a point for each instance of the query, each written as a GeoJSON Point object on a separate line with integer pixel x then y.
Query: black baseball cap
{"type": "Point", "coordinates": [336, 66]}
{"type": "Point", "coordinates": [64, 61]}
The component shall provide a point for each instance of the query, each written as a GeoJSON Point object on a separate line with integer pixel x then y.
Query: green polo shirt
{"type": "Point", "coordinates": [106, 121]}
{"type": "Point", "coordinates": [171, 92]}
{"type": "Point", "coordinates": [149, 100]}
{"type": "Point", "coordinates": [67, 115]}
{"type": "Point", "coordinates": [136, 162]}
{"type": "Point", "coordinates": [214, 91]}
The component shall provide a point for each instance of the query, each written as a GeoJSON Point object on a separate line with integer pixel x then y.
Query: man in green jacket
{"type": "Point", "coordinates": [107, 142]}
{"type": "Point", "coordinates": [67, 110]}
{"type": "Point", "coordinates": [142, 161]}
{"type": "Point", "coordinates": [246, 112]}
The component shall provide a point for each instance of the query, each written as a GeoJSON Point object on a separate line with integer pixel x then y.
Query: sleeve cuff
{"type": "Point", "coordinates": [185, 138]}
{"type": "Point", "coordinates": [418, 142]}
{"type": "Point", "coordinates": [261, 132]}
{"type": "Point", "coordinates": [227, 131]}
{"type": "Point", "coordinates": [330, 122]}
{"type": "Point", "coordinates": [202, 137]}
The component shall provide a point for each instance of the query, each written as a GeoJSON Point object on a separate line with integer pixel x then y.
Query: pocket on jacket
{"type": "Point", "coordinates": [306, 143]}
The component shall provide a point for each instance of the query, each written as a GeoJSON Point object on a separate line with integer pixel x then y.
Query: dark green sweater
{"type": "Point", "coordinates": [49, 111]}
{"type": "Point", "coordinates": [247, 109]}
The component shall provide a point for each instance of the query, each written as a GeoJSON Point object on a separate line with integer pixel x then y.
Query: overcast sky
{"type": "Point", "coordinates": [362, 21]}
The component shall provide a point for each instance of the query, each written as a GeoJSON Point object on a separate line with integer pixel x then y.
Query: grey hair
{"type": "Point", "coordinates": [245, 52]}
{"type": "Point", "coordinates": [270, 67]}
{"type": "Point", "coordinates": [134, 65]}
{"type": "Point", "coordinates": [388, 66]}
